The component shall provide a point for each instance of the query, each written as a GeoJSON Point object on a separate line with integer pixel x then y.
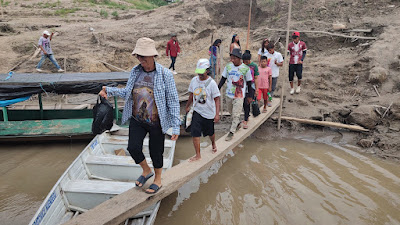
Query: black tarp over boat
{"type": "Point", "coordinates": [24, 84]}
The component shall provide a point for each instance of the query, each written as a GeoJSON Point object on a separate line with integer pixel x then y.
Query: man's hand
{"type": "Point", "coordinates": [103, 92]}
{"type": "Point", "coordinates": [187, 109]}
{"type": "Point", "coordinates": [174, 137]}
{"type": "Point", "coordinates": [256, 93]}
{"type": "Point", "coordinates": [249, 100]}
{"type": "Point", "coordinates": [44, 52]}
{"type": "Point", "coordinates": [216, 118]}
{"type": "Point", "coordinates": [300, 62]}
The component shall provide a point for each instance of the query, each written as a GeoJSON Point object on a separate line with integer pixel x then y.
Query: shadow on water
{"type": "Point", "coordinates": [288, 181]}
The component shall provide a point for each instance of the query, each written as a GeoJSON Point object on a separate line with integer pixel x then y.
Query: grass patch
{"type": "Point", "coordinates": [115, 14]}
{"type": "Point", "coordinates": [127, 4]}
{"type": "Point", "coordinates": [4, 3]}
{"type": "Point", "coordinates": [64, 12]}
{"type": "Point", "coordinates": [104, 13]}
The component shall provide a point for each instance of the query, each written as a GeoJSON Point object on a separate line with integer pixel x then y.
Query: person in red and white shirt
{"type": "Point", "coordinates": [297, 50]}
{"type": "Point", "coordinates": [173, 50]}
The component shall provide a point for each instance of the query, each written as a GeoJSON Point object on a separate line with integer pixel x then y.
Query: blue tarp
{"type": "Point", "coordinates": [4, 103]}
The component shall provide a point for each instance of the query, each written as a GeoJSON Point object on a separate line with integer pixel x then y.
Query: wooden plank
{"type": "Point", "coordinates": [133, 201]}
{"type": "Point", "coordinates": [326, 123]}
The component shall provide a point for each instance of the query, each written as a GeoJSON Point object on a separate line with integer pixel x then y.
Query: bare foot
{"type": "Point", "coordinates": [194, 158]}
{"type": "Point", "coordinates": [214, 150]}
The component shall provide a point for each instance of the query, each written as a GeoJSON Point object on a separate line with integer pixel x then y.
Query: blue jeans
{"type": "Point", "coordinates": [273, 85]}
{"type": "Point", "coordinates": [52, 59]}
{"type": "Point", "coordinates": [213, 63]}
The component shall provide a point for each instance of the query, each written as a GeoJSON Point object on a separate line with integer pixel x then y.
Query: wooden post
{"type": "Point", "coordinates": [65, 64]}
{"type": "Point", "coordinates": [286, 65]}
{"type": "Point", "coordinates": [40, 105]}
{"type": "Point", "coordinates": [248, 27]}
{"type": "Point", "coordinates": [221, 65]}
{"type": "Point", "coordinates": [5, 114]}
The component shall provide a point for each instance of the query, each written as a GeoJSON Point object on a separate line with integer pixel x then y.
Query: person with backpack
{"type": "Point", "coordinates": [254, 73]}
{"type": "Point", "coordinates": [204, 101]}
{"type": "Point", "coordinates": [238, 77]}
{"type": "Point", "coordinates": [152, 106]}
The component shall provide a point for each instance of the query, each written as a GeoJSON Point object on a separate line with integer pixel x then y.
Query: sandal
{"type": "Point", "coordinates": [245, 126]}
{"type": "Point", "coordinates": [153, 187]}
{"type": "Point", "coordinates": [269, 104]}
{"type": "Point", "coordinates": [264, 110]}
{"type": "Point", "coordinates": [214, 150]}
{"type": "Point", "coordinates": [142, 180]}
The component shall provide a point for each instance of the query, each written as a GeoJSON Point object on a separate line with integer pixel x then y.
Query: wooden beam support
{"type": "Point", "coordinates": [133, 201]}
{"type": "Point", "coordinates": [326, 123]}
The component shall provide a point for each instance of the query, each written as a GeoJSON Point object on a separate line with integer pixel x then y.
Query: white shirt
{"type": "Point", "coordinates": [236, 77]}
{"type": "Point", "coordinates": [272, 58]}
{"type": "Point", "coordinates": [203, 98]}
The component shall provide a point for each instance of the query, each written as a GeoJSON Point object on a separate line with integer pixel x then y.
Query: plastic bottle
{"type": "Point", "coordinates": [269, 96]}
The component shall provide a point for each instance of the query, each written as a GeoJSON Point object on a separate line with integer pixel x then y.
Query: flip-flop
{"type": "Point", "coordinates": [269, 104]}
{"type": "Point", "coordinates": [214, 150]}
{"type": "Point", "coordinates": [142, 180]}
{"type": "Point", "coordinates": [264, 110]}
{"type": "Point", "coordinates": [153, 187]}
{"type": "Point", "coordinates": [245, 126]}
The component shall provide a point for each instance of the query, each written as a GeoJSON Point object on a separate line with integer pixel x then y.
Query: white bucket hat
{"type": "Point", "coordinates": [46, 32]}
{"type": "Point", "coordinates": [145, 47]}
{"type": "Point", "coordinates": [202, 66]}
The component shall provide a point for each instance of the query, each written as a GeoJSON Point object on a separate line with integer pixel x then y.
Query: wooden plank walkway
{"type": "Point", "coordinates": [133, 201]}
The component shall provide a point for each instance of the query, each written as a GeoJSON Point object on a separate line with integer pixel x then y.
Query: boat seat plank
{"type": "Point", "coordinates": [114, 160]}
{"type": "Point", "coordinates": [94, 186]}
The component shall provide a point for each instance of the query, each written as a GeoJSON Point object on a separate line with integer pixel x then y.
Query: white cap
{"type": "Point", "coordinates": [46, 32]}
{"type": "Point", "coordinates": [202, 66]}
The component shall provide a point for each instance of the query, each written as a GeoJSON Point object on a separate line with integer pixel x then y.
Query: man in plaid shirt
{"type": "Point", "coordinates": [152, 105]}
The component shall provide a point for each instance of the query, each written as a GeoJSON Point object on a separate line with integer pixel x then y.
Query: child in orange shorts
{"type": "Point", "coordinates": [264, 82]}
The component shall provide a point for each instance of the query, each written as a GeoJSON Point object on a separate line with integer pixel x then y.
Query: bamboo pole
{"type": "Point", "coordinates": [326, 123]}
{"type": "Point", "coordinates": [326, 33]}
{"type": "Point", "coordinates": [286, 64]}
{"type": "Point", "coordinates": [248, 26]}
{"type": "Point", "coordinates": [221, 59]}
{"type": "Point", "coordinates": [108, 64]}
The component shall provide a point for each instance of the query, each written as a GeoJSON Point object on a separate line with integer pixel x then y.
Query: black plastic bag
{"type": "Point", "coordinates": [103, 116]}
{"type": "Point", "coordinates": [254, 108]}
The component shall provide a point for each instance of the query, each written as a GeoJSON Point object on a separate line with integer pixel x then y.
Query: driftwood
{"type": "Point", "coordinates": [26, 60]}
{"type": "Point", "coordinates": [327, 33]}
{"type": "Point", "coordinates": [376, 90]}
{"type": "Point", "coordinates": [108, 64]}
{"type": "Point", "coordinates": [326, 123]}
{"type": "Point", "coordinates": [387, 110]}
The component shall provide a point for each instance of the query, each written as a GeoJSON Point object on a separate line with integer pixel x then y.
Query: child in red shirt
{"type": "Point", "coordinates": [264, 82]}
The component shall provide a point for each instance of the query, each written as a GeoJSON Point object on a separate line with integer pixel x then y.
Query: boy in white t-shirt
{"type": "Point", "coordinates": [275, 61]}
{"type": "Point", "coordinates": [238, 77]}
{"type": "Point", "coordinates": [204, 94]}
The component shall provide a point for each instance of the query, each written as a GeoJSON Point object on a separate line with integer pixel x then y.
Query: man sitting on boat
{"type": "Point", "coordinates": [153, 84]}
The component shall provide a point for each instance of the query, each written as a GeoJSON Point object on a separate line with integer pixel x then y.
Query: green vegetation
{"type": "Point", "coordinates": [115, 14]}
{"type": "Point", "coordinates": [126, 4]}
{"type": "Point", "coordinates": [64, 12]}
{"type": "Point", "coordinates": [49, 5]}
{"type": "Point", "coordinates": [4, 4]}
{"type": "Point", "coordinates": [103, 13]}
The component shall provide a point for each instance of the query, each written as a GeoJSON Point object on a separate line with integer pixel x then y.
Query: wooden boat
{"type": "Point", "coordinates": [95, 176]}
{"type": "Point", "coordinates": [24, 121]}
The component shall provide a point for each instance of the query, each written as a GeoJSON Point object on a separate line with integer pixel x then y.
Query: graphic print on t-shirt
{"type": "Point", "coordinates": [236, 82]}
{"type": "Point", "coordinates": [200, 95]}
{"type": "Point", "coordinates": [144, 107]}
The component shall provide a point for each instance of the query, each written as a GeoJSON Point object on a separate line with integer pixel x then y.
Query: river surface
{"type": "Point", "coordinates": [286, 181]}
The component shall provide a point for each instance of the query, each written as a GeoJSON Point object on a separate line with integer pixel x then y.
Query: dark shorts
{"type": "Point", "coordinates": [201, 125]}
{"type": "Point", "coordinates": [295, 68]}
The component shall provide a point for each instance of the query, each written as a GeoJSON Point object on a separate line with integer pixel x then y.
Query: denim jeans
{"type": "Point", "coordinates": [52, 59]}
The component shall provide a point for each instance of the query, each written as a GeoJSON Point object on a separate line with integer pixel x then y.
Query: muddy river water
{"type": "Point", "coordinates": [286, 181]}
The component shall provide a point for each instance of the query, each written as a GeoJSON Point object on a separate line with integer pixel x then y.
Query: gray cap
{"type": "Point", "coordinates": [173, 35]}
{"type": "Point", "coordinates": [236, 52]}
